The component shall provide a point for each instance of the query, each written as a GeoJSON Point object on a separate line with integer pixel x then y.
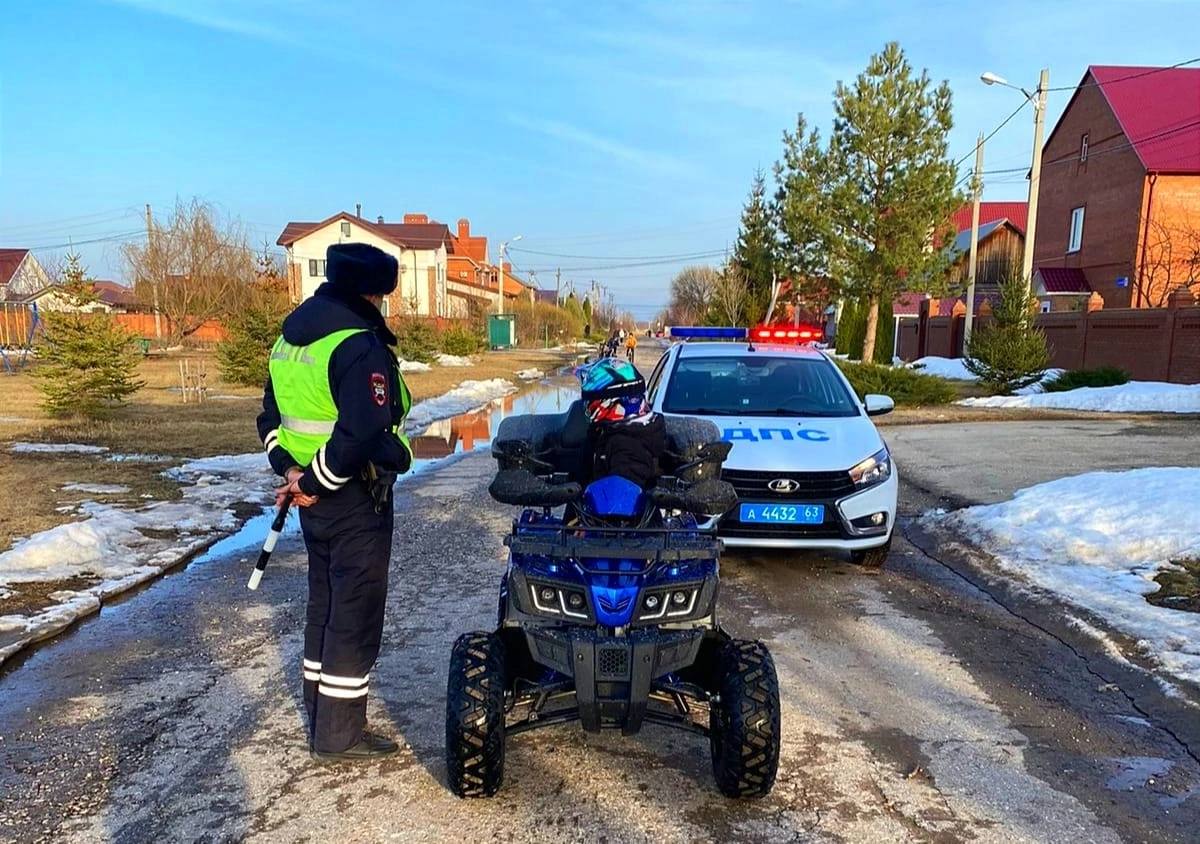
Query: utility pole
{"type": "Point", "coordinates": [558, 287]}
{"type": "Point", "coordinates": [500, 274]}
{"type": "Point", "coordinates": [976, 190]}
{"type": "Point", "coordinates": [150, 247]}
{"type": "Point", "coordinates": [1035, 172]}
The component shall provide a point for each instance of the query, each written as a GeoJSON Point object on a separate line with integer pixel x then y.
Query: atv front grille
{"type": "Point", "coordinates": [612, 663]}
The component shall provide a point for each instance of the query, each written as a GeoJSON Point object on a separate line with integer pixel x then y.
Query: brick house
{"type": "Point", "coordinates": [1119, 198]}
{"type": "Point", "coordinates": [472, 276]}
{"type": "Point", "coordinates": [419, 245]}
{"type": "Point", "coordinates": [441, 272]}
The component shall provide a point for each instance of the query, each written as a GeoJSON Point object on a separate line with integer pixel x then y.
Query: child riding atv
{"type": "Point", "coordinates": [607, 613]}
{"type": "Point", "coordinates": [625, 437]}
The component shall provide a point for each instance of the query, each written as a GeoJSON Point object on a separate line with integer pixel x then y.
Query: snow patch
{"type": "Point", "coordinates": [1098, 539]}
{"type": "Point", "coordinates": [453, 360]}
{"type": "Point", "coordinates": [467, 396]}
{"type": "Point", "coordinates": [952, 368]}
{"type": "Point", "coordinates": [413, 366]}
{"type": "Point", "coordinates": [125, 547]}
{"type": "Point", "coordinates": [56, 448]}
{"type": "Point", "coordinates": [97, 489]}
{"type": "Point", "coordinates": [531, 374]}
{"type": "Point", "coordinates": [1134, 397]}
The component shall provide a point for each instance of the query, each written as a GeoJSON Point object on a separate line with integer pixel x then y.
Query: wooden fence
{"type": "Point", "coordinates": [1151, 344]}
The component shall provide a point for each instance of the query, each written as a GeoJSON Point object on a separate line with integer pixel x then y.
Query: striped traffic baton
{"type": "Point", "coordinates": [269, 544]}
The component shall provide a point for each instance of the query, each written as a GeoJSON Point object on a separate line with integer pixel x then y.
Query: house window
{"type": "Point", "coordinates": [1075, 241]}
{"type": "Point", "coordinates": [1045, 306]}
{"type": "Point", "coordinates": [316, 268]}
{"type": "Point", "coordinates": [1083, 144]}
{"type": "Point", "coordinates": [346, 223]}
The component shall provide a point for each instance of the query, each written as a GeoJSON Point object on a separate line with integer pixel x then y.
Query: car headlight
{"type": "Point", "coordinates": [874, 470]}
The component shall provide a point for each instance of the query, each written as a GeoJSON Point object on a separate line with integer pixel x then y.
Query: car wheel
{"type": "Point", "coordinates": [744, 721]}
{"type": "Point", "coordinates": [872, 558]}
{"type": "Point", "coordinates": [475, 715]}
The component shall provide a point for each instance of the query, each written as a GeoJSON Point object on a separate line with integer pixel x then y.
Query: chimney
{"type": "Point", "coordinates": [464, 228]}
{"type": "Point", "coordinates": [358, 210]}
{"type": "Point", "coordinates": [379, 219]}
{"type": "Point", "coordinates": [416, 219]}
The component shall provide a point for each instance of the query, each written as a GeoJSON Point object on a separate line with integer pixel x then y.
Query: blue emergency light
{"type": "Point", "coordinates": [708, 332]}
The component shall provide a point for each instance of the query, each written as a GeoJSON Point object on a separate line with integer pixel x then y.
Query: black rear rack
{"type": "Point", "coordinates": [658, 544]}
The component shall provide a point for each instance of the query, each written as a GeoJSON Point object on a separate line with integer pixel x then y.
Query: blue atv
{"type": "Point", "coordinates": [607, 612]}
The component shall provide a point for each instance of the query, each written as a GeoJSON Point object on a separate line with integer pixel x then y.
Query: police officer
{"type": "Point", "coordinates": [332, 425]}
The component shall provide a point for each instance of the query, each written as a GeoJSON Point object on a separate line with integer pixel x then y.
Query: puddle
{"type": "Point", "coordinates": [467, 432]}
{"type": "Point", "coordinates": [441, 441]}
{"type": "Point", "coordinates": [1137, 772]}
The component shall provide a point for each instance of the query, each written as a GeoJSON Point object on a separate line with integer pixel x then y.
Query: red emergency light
{"type": "Point", "coordinates": [779, 334]}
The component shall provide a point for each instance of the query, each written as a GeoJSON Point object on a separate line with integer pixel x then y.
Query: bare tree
{"type": "Point", "coordinates": [1170, 262]}
{"type": "Point", "coordinates": [731, 295]}
{"type": "Point", "coordinates": [197, 266]}
{"type": "Point", "coordinates": [691, 294]}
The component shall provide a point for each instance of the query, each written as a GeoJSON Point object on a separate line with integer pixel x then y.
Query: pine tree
{"type": "Point", "coordinates": [756, 252]}
{"type": "Point", "coordinates": [865, 209]}
{"type": "Point", "coordinates": [1009, 351]}
{"type": "Point", "coordinates": [88, 362]}
{"type": "Point", "coordinates": [252, 328]}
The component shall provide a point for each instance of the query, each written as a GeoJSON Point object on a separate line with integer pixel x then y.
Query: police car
{"type": "Point", "coordinates": [809, 467]}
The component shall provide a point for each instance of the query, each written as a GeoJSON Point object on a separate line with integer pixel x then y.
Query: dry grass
{"type": "Point", "coordinates": [156, 421]}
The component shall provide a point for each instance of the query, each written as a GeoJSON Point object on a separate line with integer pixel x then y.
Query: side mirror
{"type": "Point", "coordinates": [878, 405]}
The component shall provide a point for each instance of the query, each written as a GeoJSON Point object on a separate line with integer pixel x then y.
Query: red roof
{"type": "Point", "coordinates": [408, 235]}
{"type": "Point", "coordinates": [10, 260]}
{"type": "Point", "coordinates": [1159, 111]}
{"type": "Point", "coordinates": [1064, 280]}
{"type": "Point", "coordinates": [113, 294]}
{"type": "Point", "coordinates": [1017, 213]}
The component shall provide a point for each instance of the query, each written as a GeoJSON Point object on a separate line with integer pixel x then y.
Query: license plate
{"type": "Point", "coordinates": [790, 514]}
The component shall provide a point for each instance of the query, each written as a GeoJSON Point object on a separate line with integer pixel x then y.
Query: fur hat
{"type": "Point", "coordinates": [361, 268]}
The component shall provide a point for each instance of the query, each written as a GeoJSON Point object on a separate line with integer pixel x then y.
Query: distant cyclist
{"type": "Point", "coordinates": [630, 346]}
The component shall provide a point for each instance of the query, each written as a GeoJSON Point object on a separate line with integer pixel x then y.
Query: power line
{"type": "Point", "coordinates": [1096, 153]}
{"type": "Point", "coordinates": [1148, 72]}
{"type": "Point", "coordinates": [696, 257]}
{"type": "Point", "coordinates": [992, 134]}
{"type": "Point", "coordinates": [70, 244]}
{"type": "Point", "coordinates": [607, 257]}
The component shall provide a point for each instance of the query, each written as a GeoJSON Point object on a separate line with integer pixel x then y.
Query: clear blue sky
{"type": "Point", "coordinates": [604, 129]}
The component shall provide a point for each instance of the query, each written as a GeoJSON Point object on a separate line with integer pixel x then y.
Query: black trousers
{"type": "Point", "coordinates": [349, 546]}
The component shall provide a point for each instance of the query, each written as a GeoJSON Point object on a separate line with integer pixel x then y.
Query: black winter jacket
{"type": "Point", "coordinates": [366, 385]}
{"type": "Point", "coordinates": [630, 448]}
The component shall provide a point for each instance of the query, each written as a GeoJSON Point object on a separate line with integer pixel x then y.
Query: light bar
{"type": "Point", "coordinates": [710, 332]}
{"type": "Point", "coordinates": [777, 334]}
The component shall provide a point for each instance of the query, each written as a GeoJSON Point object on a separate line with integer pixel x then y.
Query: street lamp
{"type": "Point", "coordinates": [1038, 98]}
{"type": "Point", "coordinates": [500, 274]}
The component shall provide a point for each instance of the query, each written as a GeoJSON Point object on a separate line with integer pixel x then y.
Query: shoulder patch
{"type": "Point", "coordinates": [379, 388]}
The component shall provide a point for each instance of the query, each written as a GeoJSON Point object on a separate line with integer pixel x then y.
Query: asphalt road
{"type": "Point", "coordinates": [927, 702]}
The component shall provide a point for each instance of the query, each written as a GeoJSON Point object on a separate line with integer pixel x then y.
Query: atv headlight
{"type": "Point", "coordinates": [874, 470]}
{"type": "Point", "coordinates": [674, 602]}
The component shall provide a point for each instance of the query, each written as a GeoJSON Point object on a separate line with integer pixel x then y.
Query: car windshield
{"type": "Point", "coordinates": [757, 385]}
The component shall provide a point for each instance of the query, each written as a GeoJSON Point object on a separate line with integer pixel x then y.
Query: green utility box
{"type": "Point", "coordinates": [502, 331]}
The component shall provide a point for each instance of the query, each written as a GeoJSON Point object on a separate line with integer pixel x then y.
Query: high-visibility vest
{"type": "Point", "coordinates": [300, 381]}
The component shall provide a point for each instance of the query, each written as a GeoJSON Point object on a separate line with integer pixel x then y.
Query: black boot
{"type": "Point", "coordinates": [369, 747]}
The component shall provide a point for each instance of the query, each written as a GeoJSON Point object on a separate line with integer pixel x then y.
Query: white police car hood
{"type": "Point", "coordinates": [787, 444]}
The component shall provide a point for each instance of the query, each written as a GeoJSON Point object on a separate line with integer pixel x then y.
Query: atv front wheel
{"type": "Point", "coordinates": [872, 558]}
{"type": "Point", "coordinates": [744, 721]}
{"type": "Point", "coordinates": [475, 716]}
